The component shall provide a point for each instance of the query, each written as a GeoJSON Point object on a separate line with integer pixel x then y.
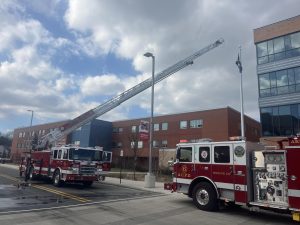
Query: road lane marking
{"type": "Point", "coordinates": [64, 194]}
{"type": "Point", "coordinates": [10, 178]}
{"type": "Point", "coordinates": [54, 191]}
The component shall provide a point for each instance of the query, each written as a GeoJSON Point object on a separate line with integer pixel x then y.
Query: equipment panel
{"type": "Point", "coordinates": [270, 184]}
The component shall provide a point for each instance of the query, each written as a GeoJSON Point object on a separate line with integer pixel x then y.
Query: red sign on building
{"type": "Point", "coordinates": [144, 130]}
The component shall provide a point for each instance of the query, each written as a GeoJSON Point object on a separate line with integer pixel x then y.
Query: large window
{"type": "Point", "coordinates": [164, 143]}
{"type": "Point", "coordinates": [164, 126]}
{"type": "Point", "coordinates": [278, 48]}
{"type": "Point", "coordinates": [140, 144]}
{"type": "Point", "coordinates": [133, 129]}
{"type": "Point", "coordinates": [183, 124]}
{"type": "Point", "coordinates": [196, 123]}
{"type": "Point", "coordinates": [222, 154]}
{"type": "Point", "coordinates": [156, 127]}
{"type": "Point", "coordinates": [279, 82]}
{"type": "Point", "coordinates": [155, 144]}
{"type": "Point", "coordinates": [83, 154]}
{"type": "Point", "coordinates": [280, 120]}
{"type": "Point", "coordinates": [184, 154]}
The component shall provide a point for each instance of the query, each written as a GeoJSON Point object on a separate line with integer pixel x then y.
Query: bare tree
{"type": "Point", "coordinates": [133, 140]}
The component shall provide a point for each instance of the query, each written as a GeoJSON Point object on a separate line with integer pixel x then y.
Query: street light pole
{"type": "Point", "coordinates": [239, 65]}
{"type": "Point", "coordinates": [150, 178]}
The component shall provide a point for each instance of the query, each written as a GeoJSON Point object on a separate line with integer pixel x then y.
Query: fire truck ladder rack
{"type": "Point", "coordinates": [117, 100]}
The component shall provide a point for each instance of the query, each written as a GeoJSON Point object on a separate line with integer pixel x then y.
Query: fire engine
{"type": "Point", "coordinates": [68, 164]}
{"type": "Point", "coordinates": [239, 172]}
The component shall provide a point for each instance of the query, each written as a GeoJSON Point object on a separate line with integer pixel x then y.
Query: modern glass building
{"type": "Point", "coordinates": [278, 71]}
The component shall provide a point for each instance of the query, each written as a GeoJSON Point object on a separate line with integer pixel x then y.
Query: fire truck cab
{"type": "Point", "coordinates": [68, 164]}
{"type": "Point", "coordinates": [239, 172]}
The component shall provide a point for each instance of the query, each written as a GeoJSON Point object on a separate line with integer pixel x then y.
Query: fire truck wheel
{"type": "Point", "coordinates": [56, 178]}
{"type": "Point", "coordinates": [205, 197]}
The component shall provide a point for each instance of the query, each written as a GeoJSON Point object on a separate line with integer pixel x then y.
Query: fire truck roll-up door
{"type": "Point", "coordinates": [293, 176]}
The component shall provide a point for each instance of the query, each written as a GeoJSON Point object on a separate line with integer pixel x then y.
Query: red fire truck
{"type": "Point", "coordinates": [239, 172]}
{"type": "Point", "coordinates": [68, 164]}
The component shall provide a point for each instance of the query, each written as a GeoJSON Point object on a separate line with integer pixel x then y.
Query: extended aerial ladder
{"type": "Point", "coordinates": [86, 117]}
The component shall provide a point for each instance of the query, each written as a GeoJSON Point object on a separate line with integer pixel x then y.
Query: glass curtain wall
{"type": "Point", "coordinates": [280, 120]}
{"type": "Point", "coordinates": [279, 48]}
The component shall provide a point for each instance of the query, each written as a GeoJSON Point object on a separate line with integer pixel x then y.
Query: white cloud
{"type": "Point", "coordinates": [65, 83]}
{"type": "Point", "coordinates": [107, 84]}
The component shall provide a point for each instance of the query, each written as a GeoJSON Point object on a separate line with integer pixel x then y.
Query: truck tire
{"type": "Point", "coordinates": [205, 197]}
{"type": "Point", "coordinates": [56, 179]}
{"type": "Point", "coordinates": [87, 183]}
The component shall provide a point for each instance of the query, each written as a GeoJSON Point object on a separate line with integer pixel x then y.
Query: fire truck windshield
{"type": "Point", "coordinates": [85, 154]}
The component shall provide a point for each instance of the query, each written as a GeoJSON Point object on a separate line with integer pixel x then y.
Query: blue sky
{"type": "Point", "coordinates": [61, 58]}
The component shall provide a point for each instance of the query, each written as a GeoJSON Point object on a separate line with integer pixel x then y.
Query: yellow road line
{"type": "Point", "coordinates": [64, 194]}
{"type": "Point", "coordinates": [9, 177]}
{"type": "Point", "coordinates": [74, 197]}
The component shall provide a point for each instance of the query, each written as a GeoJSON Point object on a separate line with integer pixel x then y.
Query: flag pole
{"type": "Point", "coordinates": [241, 96]}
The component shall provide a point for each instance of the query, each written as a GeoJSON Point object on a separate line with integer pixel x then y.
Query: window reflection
{"type": "Point", "coordinates": [278, 48]}
{"type": "Point", "coordinates": [280, 120]}
{"type": "Point", "coordinates": [279, 82]}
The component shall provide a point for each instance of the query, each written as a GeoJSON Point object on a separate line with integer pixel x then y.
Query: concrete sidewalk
{"type": "Point", "coordinates": [159, 186]}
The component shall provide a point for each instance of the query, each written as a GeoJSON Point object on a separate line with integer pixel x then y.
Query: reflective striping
{"type": "Point", "coordinates": [230, 186]}
{"type": "Point", "coordinates": [45, 169]}
{"type": "Point", "coordinates": [240, 187]}
{"type": "Point", "coordinates": [293, 193]}
{"type": "Point", "coordinates": [225, 185]}
{"type": "Point", "coordinates": [182, 180]}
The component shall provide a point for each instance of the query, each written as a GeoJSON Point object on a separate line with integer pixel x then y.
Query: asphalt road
{"type": "Point", "coordinates": [107, 204]}
{"type": "Point", "coordinates": [14, 196]}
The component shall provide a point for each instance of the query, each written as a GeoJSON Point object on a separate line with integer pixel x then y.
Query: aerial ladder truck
{"type": "Point", "coordinates": [44, 161]}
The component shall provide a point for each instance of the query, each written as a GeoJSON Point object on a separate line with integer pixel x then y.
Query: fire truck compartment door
{"type": "Point", "coordinates": [240, 172]}
{"type": "Point", "coordinates": [203, 161]}
{"type": "Point", "coordinates": [222, 166]}
{"type": "Point", "coordinates": [293, 176]}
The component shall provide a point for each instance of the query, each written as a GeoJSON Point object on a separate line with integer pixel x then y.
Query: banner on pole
{"type": "Point", "coordinates": [144, 130]}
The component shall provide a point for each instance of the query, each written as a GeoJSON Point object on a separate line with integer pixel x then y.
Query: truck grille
{"type": "Point", "coordinates": [86, 170]}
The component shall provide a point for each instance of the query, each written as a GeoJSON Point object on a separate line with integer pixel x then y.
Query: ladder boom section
{"type": "Point", "coordinates": [117, 100]}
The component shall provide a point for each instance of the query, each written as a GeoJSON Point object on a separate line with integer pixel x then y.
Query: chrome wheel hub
{"type": "Point", "coordinates": [202, 197]}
